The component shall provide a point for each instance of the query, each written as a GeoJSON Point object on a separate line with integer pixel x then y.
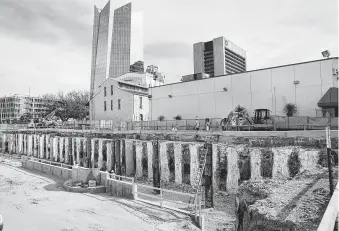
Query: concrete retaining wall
{"type": "Point", "coordinates": [237, 160]}
{"type": "Point", "coordinates": [60, 172]}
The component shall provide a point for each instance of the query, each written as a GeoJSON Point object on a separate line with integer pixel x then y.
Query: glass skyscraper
{"type": "Point", "coordinates": [117, 43]}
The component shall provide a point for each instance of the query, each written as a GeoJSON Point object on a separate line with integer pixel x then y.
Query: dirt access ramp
{"type": "Point", "coordinates": [288, 205]}
{"type": "Point", "coordinates": [31, 196]}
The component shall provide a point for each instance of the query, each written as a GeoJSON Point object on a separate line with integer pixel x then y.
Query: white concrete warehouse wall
{"type": "Point", "coordinates": [270, 88]}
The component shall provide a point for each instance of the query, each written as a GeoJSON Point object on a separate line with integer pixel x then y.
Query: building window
{"type": "Point", "coordinates": [111, 89]}
{"type": "Point", "coordinates": [105, 93]}
{"type": "Point", "coordinates": [119, 104]}
{"type": "Point", "coordinates": [111, 105]}
{"type": "Point", "coordinates": [141, 117]}
{"type": "Point", "coordinates": [105, 106]}
{"type": "Point", "coordinates": [140, 102]}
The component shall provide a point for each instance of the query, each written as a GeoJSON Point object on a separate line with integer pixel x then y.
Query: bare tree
{"type": "Point", "coordinates": [74, 104]}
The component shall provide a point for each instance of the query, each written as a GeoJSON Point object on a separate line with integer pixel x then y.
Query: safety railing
{"type": "Point", "coordinates": [330, 217]}
{"type": "Point", "coordinates": [51, 163]}
{"type": "Point", "coordinates": [164, 198]}
{"type": "Point", "coordinates": [279, 124]}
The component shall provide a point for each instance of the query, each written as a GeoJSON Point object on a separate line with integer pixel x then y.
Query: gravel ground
{"type": "Point", "coordinates": [36, 201]}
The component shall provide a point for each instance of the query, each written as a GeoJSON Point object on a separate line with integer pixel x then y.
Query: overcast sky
{"type": "Point", "coordinates": [46, 45]}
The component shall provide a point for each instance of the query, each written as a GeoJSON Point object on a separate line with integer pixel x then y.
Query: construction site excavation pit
{"type": "Point", "coordinates": [233, 161]}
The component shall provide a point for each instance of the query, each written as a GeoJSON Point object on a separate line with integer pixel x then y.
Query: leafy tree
{"type": "Point", "coordinates": [178, 117]}
{"type": "Point", "coordinates": [290, 109]}
{"type": "Point", "coordinates": [161, 117]}
{"type": "Point", "coordinates": [73, 104]}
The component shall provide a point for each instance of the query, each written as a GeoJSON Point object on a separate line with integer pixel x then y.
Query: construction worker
{"type": "Point", "coordinates": [223, 124]}
{"type": "Point", "coordinates": [197, 125]}
{"type": "Point", "coordinates": [207, 124]}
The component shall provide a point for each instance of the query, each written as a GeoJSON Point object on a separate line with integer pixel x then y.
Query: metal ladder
{"type": "Point", "coordinates": [197, 186]}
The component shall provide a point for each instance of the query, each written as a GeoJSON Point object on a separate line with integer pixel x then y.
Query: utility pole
{"type": "Point", "coordinates": [329, 160]}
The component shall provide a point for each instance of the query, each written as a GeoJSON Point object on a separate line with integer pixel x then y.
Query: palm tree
{"type": "Point", "coordinates": [240, 109]}
{"type": "Point", "coordinates": [290, 109]}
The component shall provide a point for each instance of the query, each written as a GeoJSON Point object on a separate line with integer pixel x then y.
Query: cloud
{"type": "Point", "coordinates": [46, 22]}
{"type": "Point", "coordinates": [168, 50]}
{"type": "Point", "coordinates": [46, 44]}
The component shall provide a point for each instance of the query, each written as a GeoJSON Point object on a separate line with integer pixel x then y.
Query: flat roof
{"type": "Point", "coordinates": [286, 65]}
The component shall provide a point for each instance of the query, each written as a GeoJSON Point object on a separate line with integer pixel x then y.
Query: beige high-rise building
{"type": "Point", "coordinates": [117, 44]}
{"type": "Point", "coordinates": [218, 57]}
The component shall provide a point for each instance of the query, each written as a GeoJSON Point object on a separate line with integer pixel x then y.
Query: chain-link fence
{"type": "Point", "coordinates": [279, 123]}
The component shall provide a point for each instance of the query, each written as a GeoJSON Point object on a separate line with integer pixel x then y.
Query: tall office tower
{"type": "Point", "coordinates": [117, 43]}
{"type": "Point", "coordinates": [218, 57]}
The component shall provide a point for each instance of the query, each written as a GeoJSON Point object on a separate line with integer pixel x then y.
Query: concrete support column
{"type": "Point", "coordinates": [30, 145]}
{"type": "Point", "coordinates": [61, 148]}
{"type": "Point", "coordinates": [150, 159]}
{"type": "Point", "coordinates": [55, 148]}
{"type": "Point", "coordinates": [14, 140]}
{"type": "Point", "coordinates": [67, 150]}
{"type": "Point", "coordinates": [117, 156]}
{"type": "Point", "coordinates": [194, 165]}
{"type": "Point", "coordinates": [215, 180]}
{"type": "Point", "coordinates": [109, 156]}
{"type": "Point", "coordinates": [14, 150]}
{"type": "Point", "coordinates": [33, 145]}
{"type": "Point", "coordinates": [3, 144]}
{"type": "Point", "coordinates": [20, 146]}
{"type": "Point", "coordinates": [10, 144]}
{"type": "Point", "coordinates": [78, 149]}
{"type": "Point", "coordinates": [17, 141]}
{"type": "Point", "coordinates": [51, 154]}
{"type": "Point", "coordinates": [42, 147]}
{"type": "Point", "coordinates": [122, 145]}
{"type": "Point", "coordinates": [130, 168]}
{"type": "Point", "coordinates": [280, 159]}
{"type": "Point", "coordinates": [84, 147]}
{"type": "Point", "coordinates": [178, 162]}
{"type": "Point", "coordinates": [73, 151]}
{"type": "Point", "coordinates": [233, 173]}
{"type": "Point", "coordinates": [138, 155]}
{"type": "Point", "coordinates": [36, 145]}
{"type": "Point", "coordinates": [255, 159]}
{"type": "Point", "coordinates": [92, 151]}
{"type": "Point", "coordinates": [164, 170]}
{"type": "Point", "coordinates": [101, 158]}
{"type": "Point", "coordinates": [24, 151]}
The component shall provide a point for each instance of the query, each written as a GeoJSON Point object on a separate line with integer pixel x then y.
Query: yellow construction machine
{"type": "Point", "coordinates": [240, 120]}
